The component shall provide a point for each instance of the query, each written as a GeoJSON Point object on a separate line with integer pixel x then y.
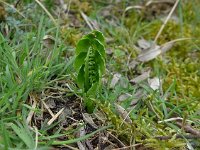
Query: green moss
{"type": "Point", "coordinates": [186, 77]}
{"type": "Point", "coordinates": [183, 59]}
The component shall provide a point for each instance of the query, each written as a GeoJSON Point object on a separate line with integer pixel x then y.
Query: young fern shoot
{"type": "Point", "coordinates": [90, 65]}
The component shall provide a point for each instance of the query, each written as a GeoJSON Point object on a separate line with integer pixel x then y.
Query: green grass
{"type": "Point", "coordinates": [28, 69]}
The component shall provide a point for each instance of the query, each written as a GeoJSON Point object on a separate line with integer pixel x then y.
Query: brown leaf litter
{"type": "Point", "coordinates": [65, 112]}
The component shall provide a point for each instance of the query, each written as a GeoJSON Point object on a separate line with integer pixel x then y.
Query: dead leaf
{"type": "Point", "coordinates": [154, 51]}
{"type": "Point", "coordinates": [115, 80]}
{"type": "Point", "coordinates": [165, 47]}
{"type": "Point", "coordinates": [48, 41]}
{"type": "Point", "coordinates": [81, 145]}
{"type": "Point", "coordinates": [100, 116]}
{"type": "Point", "coordinates": [154, 83]}
{"type": "Point", "coordinates": [109, 51]}
{"type": "Point", "coordinates": [133, 64]}
{"type": "Point", "coordinates": [124, 97]}
{"type": "Point", "coordinates": [136, 97]}
{"type": "Point", "coordinates": [51, 103]}
{"type": "Point", "coordinates": [123, 113]}
{"type": "Point", "coordinates": [150, 54]}
{"type": "Point", "coordinates": [123, 82]}
{"type": "Point", "coordinates": [144, 44]}
{"type": "Point", "coordinates": [141, 77]}
{"type": "Point", "coordinates": [88, 119]}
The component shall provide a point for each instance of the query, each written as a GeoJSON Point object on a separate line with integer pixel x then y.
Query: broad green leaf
{"type": "Point", "coordinates": [89, 105]}
{"type": "Point", "coordinates": [89, 36]}
{"type": "Point", "coordinates": [99, 36]}
{"type": "Point", "coordinates": [83, 46]}
{"type": "Point", "coordinates": [99, 47]}
{"type": "Point", "coordinates": [93, 90]}
{"type": "Point", "coordinates": [80, 60]}
{"type": "Point", "coordinates": [81, 77]}
{"type": "Point", "coordinates": [96, 35]}
{"type": "Point", "coordinates": [97, 70]}
{"type": "Point", "coordinates": [101, 62]}
{"type": "Point", "coordinates": [86, 73]}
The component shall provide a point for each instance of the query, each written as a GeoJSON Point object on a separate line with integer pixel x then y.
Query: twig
{"type": "Point", "coordinates": [188, 129]}
{"type": "Point", "coordinates": [165, 22]}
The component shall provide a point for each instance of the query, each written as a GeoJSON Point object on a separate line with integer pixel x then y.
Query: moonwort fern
{"type": "Point", "coordinates": [90, 65]}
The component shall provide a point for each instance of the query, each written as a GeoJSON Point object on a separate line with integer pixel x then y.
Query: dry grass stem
{"type": "Point", "coordinates": [47, 107]}
{"type": "Point", "coordinates": [165, 22]}
{"type": "Point", "coordinates": [30, 115]}
{"type": "Point", "coordinates": [48, 13]}
{"type": "Point", "coordinates": [55, 117]}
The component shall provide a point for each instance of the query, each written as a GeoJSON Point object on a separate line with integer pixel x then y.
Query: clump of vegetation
{"type": "Point", "coordinates": [90, 65]}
